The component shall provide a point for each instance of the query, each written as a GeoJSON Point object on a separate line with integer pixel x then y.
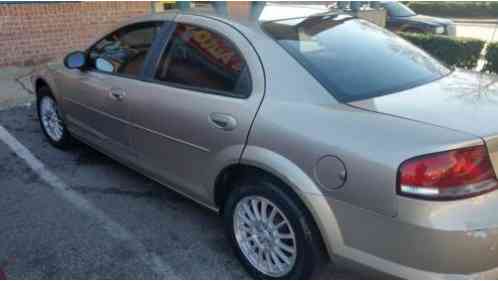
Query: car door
{"type": "Point", "coordinates": [195, 111]}
{"type": "Point", "coordinates": [394, 24]}
{"type": "Point", "coordinates": [95, 98]}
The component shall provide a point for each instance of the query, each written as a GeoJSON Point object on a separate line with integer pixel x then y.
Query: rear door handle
{"type": "Point", "coordinates": [117, 94]}
{"type": "Point", "coordinates": [223, 121]}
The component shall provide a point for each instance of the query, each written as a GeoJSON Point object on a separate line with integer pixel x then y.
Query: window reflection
{"type": "Point", "coordinates": [353, 58]}
{"type": "Point", "coordinates": [124, 51]}
{"type": "Point", "coordinates": [199, 58]}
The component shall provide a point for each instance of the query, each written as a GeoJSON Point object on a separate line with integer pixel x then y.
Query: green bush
{"type": "Point", "coordinates": [460, 52]}
{"type": "Point", "coordinates": [457, 9]}
{"type": "Point", "coordinates": [492, 58]}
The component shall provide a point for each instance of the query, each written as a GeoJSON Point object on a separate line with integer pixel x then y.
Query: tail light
{"type": "Point", "coordinates": [448, 175]}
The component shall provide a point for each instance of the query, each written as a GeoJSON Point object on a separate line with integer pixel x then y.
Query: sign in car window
{"type": "Point", "coordinates": [214, 48]}
{"type": "Point", "coordinates": [199, 58]}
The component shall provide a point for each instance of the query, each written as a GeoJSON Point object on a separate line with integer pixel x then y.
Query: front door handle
{"type": "Point", "coordinates": [117, 94]}
{"type": "Point", "coordinates": [223, 121]}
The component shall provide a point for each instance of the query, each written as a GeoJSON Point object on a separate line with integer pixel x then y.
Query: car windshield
{"type": "Point", "coordinates": [352, 58]}
{"type": "Point", "coordinates": [396, 9]}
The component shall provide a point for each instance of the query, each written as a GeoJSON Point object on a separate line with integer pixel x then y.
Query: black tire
{"type": "Point", "coordinates": [309, 256]}
{"type": "Point", "coordinates": [66, 140]}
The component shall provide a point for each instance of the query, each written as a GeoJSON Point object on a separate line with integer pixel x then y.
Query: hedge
{"type": "Point", "coordinates": [459, 52]}
{"type": "Point", "coordinates": [457, 9]}
{"type": "Point", "coordinates": [492, 58]}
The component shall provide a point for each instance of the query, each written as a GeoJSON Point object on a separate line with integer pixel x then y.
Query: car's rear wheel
{"type": "Point", "coordinates": [50, 119]}
{"type": "Point", "coordinates": [270, 232]}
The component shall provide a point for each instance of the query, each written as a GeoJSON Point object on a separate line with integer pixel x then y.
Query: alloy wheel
{"type": "Point", "coordinates": [265, 236]}
{"type": "Point", "coordinates": [50, 118]}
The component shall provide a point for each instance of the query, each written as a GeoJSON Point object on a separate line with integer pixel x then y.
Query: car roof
{"type": "Point", "coordinates": [266, 12]}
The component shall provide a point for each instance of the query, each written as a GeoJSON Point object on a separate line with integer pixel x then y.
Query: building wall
{"type": "Point", "coordinates": [37, 32]}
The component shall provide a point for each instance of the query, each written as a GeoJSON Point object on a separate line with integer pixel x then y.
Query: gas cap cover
{"type": "Point", "coordinates": [330, 172]}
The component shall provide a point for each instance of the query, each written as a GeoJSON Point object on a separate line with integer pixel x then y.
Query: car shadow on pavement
{"type": "Point", "coordinates": [186, 235]}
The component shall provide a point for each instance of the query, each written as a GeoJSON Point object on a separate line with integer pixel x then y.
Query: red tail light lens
{"type": "Point", "coordinates": [448, 175]}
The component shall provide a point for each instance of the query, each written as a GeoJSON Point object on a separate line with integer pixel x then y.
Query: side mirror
{"type": "Point", "coordinates": [75, 60]}
{"type": "Point", "coordinates": [104, 65]}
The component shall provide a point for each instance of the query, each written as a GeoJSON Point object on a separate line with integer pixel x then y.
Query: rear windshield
{"type": "Point", "coordinates": [354, 59]}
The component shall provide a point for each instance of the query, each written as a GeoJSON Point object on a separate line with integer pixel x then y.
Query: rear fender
{"type": "Point", "coordinates": [304, 187]}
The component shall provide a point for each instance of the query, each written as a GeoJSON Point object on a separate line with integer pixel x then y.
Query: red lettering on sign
{"type": "Point", "coordinates": [212, 46]}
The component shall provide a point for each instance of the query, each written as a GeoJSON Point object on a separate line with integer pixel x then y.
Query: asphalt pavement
{"type": "Point", "coordinates": [45, 236]}
{"type": "Point", "coordinates": [77, 214]}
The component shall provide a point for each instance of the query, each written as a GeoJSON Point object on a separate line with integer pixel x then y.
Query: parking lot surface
{"type": "Point", "coordinates": [78, 214]}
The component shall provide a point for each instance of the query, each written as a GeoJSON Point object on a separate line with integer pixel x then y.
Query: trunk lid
{"type": "Point", "coordinates": [463, 101]}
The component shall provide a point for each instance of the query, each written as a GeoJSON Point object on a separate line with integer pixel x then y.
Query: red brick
{"type": "Point", "coordinates": [36, 32]}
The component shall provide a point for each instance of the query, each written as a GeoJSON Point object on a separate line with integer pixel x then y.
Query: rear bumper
{"type": "Point", "coordinates": [490, 274]}
{"type": "Point", "coordinates": [461, 260]}
{"type": "Point", "coordinates": [390, 270]}
{"type": "Point", "coordinates": [456, 240]}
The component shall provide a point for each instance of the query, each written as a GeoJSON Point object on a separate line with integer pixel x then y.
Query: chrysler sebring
{"type": "Point", "coordinates": [320, 138]}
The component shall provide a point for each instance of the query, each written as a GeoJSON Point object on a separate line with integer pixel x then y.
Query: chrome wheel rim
{"type": "Point", "coordinates": [51, 121]}
{"type": "Point", "coordinates": [265, 236]}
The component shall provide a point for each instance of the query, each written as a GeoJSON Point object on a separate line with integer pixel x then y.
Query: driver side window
{"type": "Point", "coordinates": [124, 51]}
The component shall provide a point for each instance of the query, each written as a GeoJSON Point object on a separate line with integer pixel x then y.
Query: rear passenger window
{"type": "Point", "coordinates": [204, 60]}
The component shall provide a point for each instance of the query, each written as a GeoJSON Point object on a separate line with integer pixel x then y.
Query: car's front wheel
{"type": "Point", "coordinates": [50, 119]}
{"type": "Point", "coordinates": [270, 231]}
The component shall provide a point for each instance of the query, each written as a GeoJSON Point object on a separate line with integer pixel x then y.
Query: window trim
{"type": "Point", "coordinates": [198, 90]}
{"type": "Point", "coordinates": [162, 52]}
{"type": "Point", "coordinates": [162, 24]}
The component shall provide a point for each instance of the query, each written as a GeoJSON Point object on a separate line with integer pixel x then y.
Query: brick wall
{"type": "Point", "coordinates": [35, 33]}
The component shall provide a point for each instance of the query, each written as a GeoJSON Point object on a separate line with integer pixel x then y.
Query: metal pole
{"type": "Point", "coordinates": [183, 5]}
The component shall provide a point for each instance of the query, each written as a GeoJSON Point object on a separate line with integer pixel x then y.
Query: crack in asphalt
{"type": "Point", "coordinates": [20, 78]}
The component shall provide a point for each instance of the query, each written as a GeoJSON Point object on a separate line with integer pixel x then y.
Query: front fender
{"type": "Point", "coordinates": [45, 74]}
